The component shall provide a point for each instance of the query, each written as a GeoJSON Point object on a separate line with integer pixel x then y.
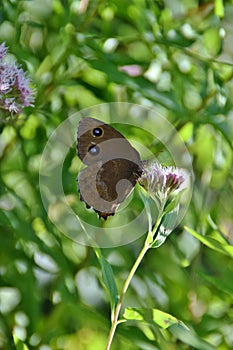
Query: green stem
{"type": "Point", "coordinates": [145, 248]}
{"type": "Point", "coordinates": [115, 320]}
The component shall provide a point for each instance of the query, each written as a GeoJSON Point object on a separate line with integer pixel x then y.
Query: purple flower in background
{"type": "Point", "coordinates": [15, 86]}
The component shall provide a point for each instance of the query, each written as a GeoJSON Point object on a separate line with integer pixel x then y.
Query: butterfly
{"type": "Point", "coordinates": [112, 169]}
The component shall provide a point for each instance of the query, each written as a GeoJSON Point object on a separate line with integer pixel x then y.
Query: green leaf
{"type": "Point", "coordinates": [167, 226]}
{"type": "Point", "coordinates": [212, 243]}
{"type": "Point", "coordinates": [223, 126]}
{"type": "Point", "coordinates": [226, 281]}
{"type": "Point", "coordinates": [169, 322]}
{"type": "Point", "coordinates": [162, 319]}
{"type": "Point", "coordinates": [108, 278]}
{"type": "Point", "coordinates": [172, 202]}
{"type": "Point", "coordinates": [219, 8]}
{"type": "Point", "coordinates": [19, 344]}
{"type": "Point", "coordinates": [190, 337]}
{"type": "Point", "coordinates": [212, 41]}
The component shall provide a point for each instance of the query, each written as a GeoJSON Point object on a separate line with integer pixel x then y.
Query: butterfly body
{"type": "Point", "coordinates": [113, 166]}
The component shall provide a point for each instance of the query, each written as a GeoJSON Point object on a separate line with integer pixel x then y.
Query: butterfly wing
{"type": "Point", "coordinates": [113, 166]}
{"type": "Point", "coordinates": [104, 187]}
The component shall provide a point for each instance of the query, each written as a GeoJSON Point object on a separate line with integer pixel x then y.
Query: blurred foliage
{"type": "Point", "coordinates": [173, 54]}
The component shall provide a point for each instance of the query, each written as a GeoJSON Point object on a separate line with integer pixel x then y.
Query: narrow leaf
{"type": "Point", "coordinates": [19, 344]}
{"type": "Point", "coordinates": [219, 8]}
{"type": "Point", "coordinates": [108, 278]}
{"type": "Point", "coordinates": [226, 282]}
{"type": "Point", "coordinates": [169, 322]}
{"type": "Point", "coordinates": [167, 225]}
{"type": "Point", "coordinates": [212, 243]}
{"type": "Point", "coordinates": [162, 319]}
{"type": "Point", "coordinates": [190, 338]}
{"type": "Point", "coordinates": [172, 202]}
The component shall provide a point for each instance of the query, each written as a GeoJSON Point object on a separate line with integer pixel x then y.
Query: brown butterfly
{"type": "Point", "coordinates": [113, 166]}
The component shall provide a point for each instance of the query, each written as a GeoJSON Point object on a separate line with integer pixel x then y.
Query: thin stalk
{"type": "Point", "coordinates": [115, 320]}
{"type": "Point", "coordinates": [145, 248]}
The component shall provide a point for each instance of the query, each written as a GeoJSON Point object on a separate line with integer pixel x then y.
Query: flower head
{"type": "Point", "coordinates": [15, 90]}
{"type": "Point", "coordinates": [160, 181]}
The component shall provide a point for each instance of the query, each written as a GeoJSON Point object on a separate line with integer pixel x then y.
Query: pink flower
{"type": "Point", "coordinates": [15, 86]}
{"type": "Point", "coordinates": [161, 181]}
{"type": "Point", "coordinates": [133, 70]}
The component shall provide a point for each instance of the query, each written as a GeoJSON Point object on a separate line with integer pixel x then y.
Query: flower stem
{"type": "Point", "coordinates": [115, 320]}
{"type": "Point", "coordinates": [141, 255]}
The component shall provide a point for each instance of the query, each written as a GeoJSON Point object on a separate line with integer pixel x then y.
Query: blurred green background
{"type": "Point", "coordinates": [173, 55]}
